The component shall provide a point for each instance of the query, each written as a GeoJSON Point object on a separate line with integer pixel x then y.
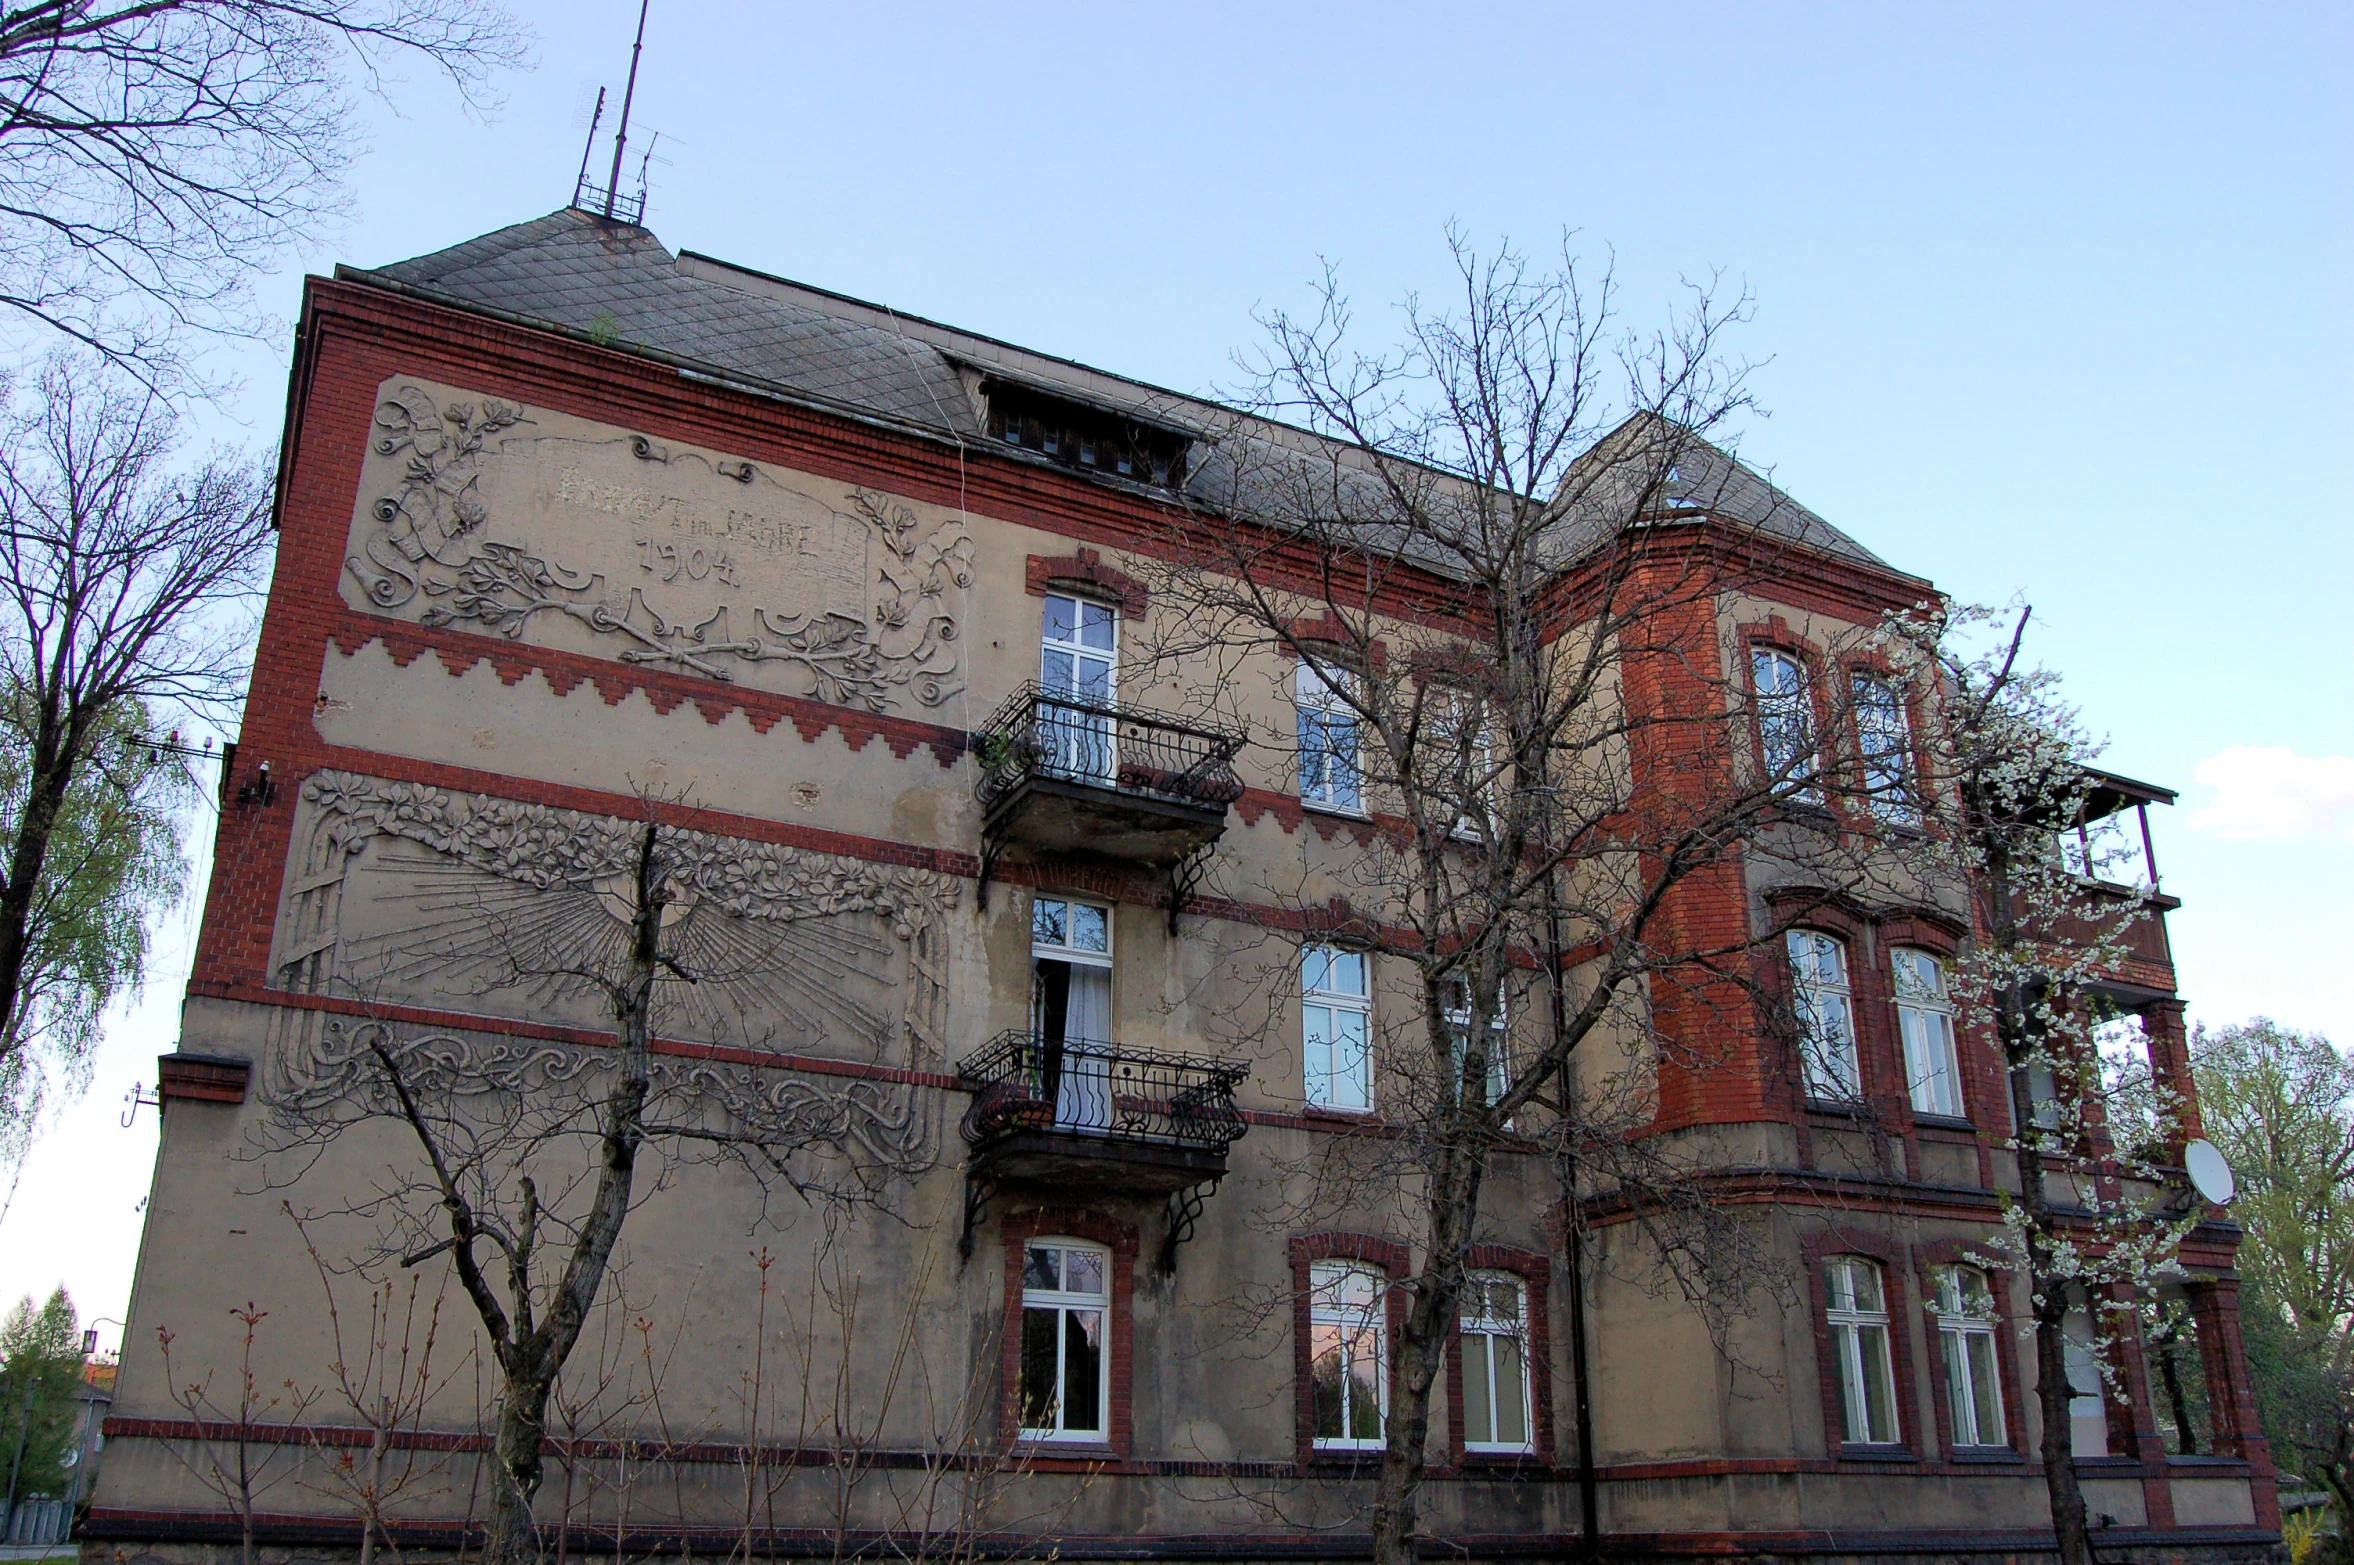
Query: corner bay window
{"type": "Point", "coordinates": [1335, 1015]}
{"type": "Point", "coordinates": [1328, 737]}
{"type": "Point", "coordinates": [1785, 723]}
{"type": "Point", "coordinates": [1858, 1317]}
{"type": "Point", "coordinates": [1495, 1364]}
{"type": "Point", "coordinates": [1925, 1017]}
{"type": "Point", "coordinates": [1825, 1012]}
{"type": "Point", "coordinates": [1965, 1313]}
{"type": "Point", "coordinates": [1066, 1297]}
{"type": "Point", "coordinates": [1348, 1357]}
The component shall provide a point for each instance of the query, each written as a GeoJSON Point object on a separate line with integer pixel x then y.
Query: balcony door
{"type": "Point", "coordinates": [1071, 1009]}
{"type": "Point", "coordinates": [1078, 657]}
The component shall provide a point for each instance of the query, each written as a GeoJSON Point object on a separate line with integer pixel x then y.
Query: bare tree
{"type": "Point", "coordinates": [244, 1447]}
{"type": "Point", "coordinates": [155, 155]}
{"type": "Point", "coordinates": [528, 1171]}
{"type": "Point", "coordinates": [2098, 1218]}
{"type": "Point", "coordinates": [123, 582]}
{"type": "Point", "coordinates": [387, 1378]}
{"type": "Point", "coordinates": [1495, 574]}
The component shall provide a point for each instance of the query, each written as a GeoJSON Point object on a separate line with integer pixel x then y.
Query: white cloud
{"type": "Point", "coordinates": [2273, 793]}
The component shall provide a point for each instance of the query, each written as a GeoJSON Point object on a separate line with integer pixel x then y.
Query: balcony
{"type": "Point", "coordinates": [1061, 774]}
{"type": "Point", "coordinates": [1088, 1118]}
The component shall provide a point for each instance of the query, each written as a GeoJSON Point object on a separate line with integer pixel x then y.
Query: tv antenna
{"type": "Point", "coordinates": [608, 201]}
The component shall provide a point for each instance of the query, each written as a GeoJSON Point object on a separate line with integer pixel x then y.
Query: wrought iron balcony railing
{"type": "Point", "coordinates": [1024, 1084]}
{"type": "Point", "coordinates": [1042, 733]}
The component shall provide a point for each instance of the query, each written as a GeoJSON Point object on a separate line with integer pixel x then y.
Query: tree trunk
{"type": "Point", "coordinates": [515, 1469]}
{"type": "Point", "coordinates": [2053, 1395]}
{"type": "Point", "coordinates": [1421, 1349]}
{"type": "Point", "coordinates": [52, 774]}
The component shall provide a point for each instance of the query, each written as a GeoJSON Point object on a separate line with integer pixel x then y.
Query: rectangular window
{"type": "Point", "coordinates": [1859, 1343]}
{"type": "Point", "coordinates": [1071, 1009]}
{"type": "Point", "coordinates": [1825, 1008]}
{"type": "Point", "coordinates": [1460, 774]}
{"type": "Point", "coordinates": [1336, 1012]}
{"type": "Point", "coordinates": [2088, 1401]}
{"type": "Point", "coordinates": [1884, 742]}
{"type": "Point", "coordinates": [1924, 1015]}
{"type": "Point", "coordinates": [1965, 1337]}
{"type": "Point", "coordinates": [1348, 1358]}
{"type": "Point", "coordinates": [1499, 1071]}
{"type": "Point", "coordinates": [1328, 737]}
{"type": "Point", "coordinates": [2178, 1376]}
{"type": "Point", "coordinates": [1495, 1364]}
{"type": "Point", "coordinates": [1786, 724]}
{"type": "Point", "coordinates": [1078, 658]}
{"type": "Point", "coordinates": [1065, 1339]}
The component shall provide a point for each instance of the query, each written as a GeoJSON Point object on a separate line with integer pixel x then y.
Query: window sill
{"type": "Point", "coordinates": [1943, 1122]}
{"type": "Point", "coordinates": [1344, 1116]}
{"type": "Point", "coordinates": [1836, 1108]}
{"type": "Point", "coordinates": [1340, 812]}
{"type": "Point", "coordinates": [1350, 1456]}
{"type": "Point", "coordinates": [1501, 1461]}
{"type": "Point", "coordinates": [1851, 1452]}
{"type": "Point", "coordinates": [1031, 1449]}
{"type": "Point", "coordinates": [1986, 1455]}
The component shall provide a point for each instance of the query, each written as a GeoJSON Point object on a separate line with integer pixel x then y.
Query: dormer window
{"type": "Point", "coordinates": [1083, 437]}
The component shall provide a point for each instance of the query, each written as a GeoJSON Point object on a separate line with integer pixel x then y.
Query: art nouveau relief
{"type": "Point", "coordinates": [526, 523]}
{"type": "Point", "coordinates": [425, 897]}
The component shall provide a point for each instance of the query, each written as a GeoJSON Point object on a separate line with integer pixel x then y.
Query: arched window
{"type": "Point", "coordinates": [1924, 1015]}
{"type": "Point", "coordinates": [1348, 1355]}
{"type": "Point", "coordinates": [1066, 1336]}
{"type": "Point", "coordinates": [1785, 722]}
{"type": "Point", "coordinates": [1825, 1007]}
{"type": "Point", "coordinates": [1858, 1317]}
{"type": "Point", "coordinates": [1495, 1364]}
{"type": "Point", "coordinates": [1965, 1313]}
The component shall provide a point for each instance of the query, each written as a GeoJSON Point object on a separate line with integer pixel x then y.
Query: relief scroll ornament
{"type": "Point", "coordinates": [428, 536]}
{"type": "Point", "coordinates": [332, 1071]}
{"type": "Point", "coordinates": [803, 938]}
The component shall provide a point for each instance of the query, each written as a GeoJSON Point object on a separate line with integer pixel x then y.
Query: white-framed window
{"type": "Point", "coordinates": [1825, 1007]}
{"type": "Point", "coordinates": [2088, 1400]}
{"type": "Point", "coordinates": [1499, 1036]}
{"type": "Point", "coordinates": [1066, 1340]}
{"type": "Point", "coordinates": [1071, 1009]}
{"type": "Point", "coordinates": [1329, 776]}
{"type": "Point", "coordinates": [1078, 658]}
{"type": "Point", "coordinates": [1924, 1015]}
{"type": "Point", "coordinates": [1336, 1019]}
{"type": "Point", "coordinates": [1496, 1364]}
{"type": "Point", "coordinates": [1884, 743]}
{"type": "Point", "coordinates": [1786, 722]}
{"type": "Point", "coordinates": [1859, 1345]}
{"type": "Point", "coordinates": [1348, 1355]}
{"type": "Point", "coordinates": [1965, 1313]}
{"type": "Point", "coordinates": [1463, 764]}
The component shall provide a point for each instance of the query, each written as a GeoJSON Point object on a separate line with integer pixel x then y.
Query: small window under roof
{"type": "Point", "coordinates": [1082, 438]}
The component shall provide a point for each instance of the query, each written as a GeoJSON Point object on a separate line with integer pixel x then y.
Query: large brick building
{"type": "Point", "coordinates": [568, 521]}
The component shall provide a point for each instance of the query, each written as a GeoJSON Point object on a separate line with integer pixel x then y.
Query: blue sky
{"type": "Point", "coordinates": [2050, 301]}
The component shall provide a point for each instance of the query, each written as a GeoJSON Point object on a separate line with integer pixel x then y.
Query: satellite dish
{"type": "Point", "coordinates": [2210, 1174]}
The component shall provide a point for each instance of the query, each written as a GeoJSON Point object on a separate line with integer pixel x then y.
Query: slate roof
{"type": "Point", "coordinates": [616, 281]}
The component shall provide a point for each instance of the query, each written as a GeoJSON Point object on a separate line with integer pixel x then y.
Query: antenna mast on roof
{"type": "Point", "coordinates": [621, 131]}
{"type": "Point", "coordinates": [580, 184]}
{"type": "Point", "coordinates": [609, 202]}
